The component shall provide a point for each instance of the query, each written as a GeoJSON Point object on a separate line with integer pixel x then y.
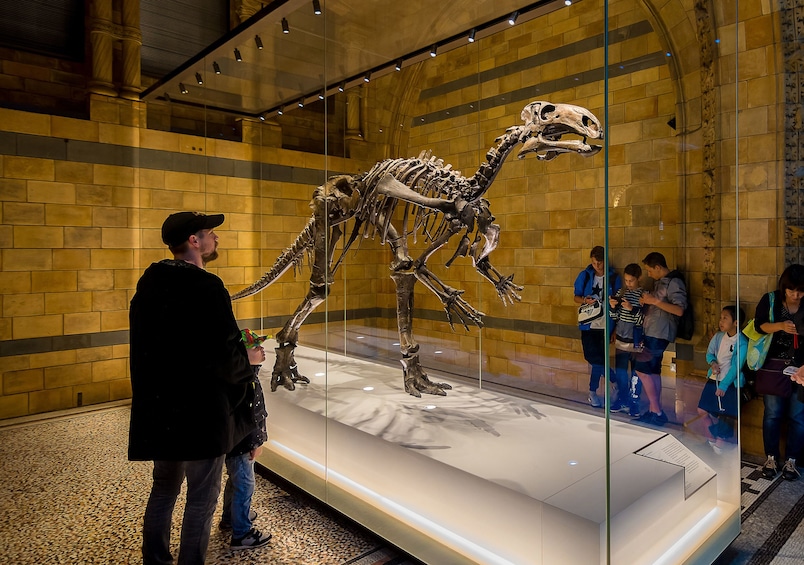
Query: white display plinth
{"type": "Point", "coordinates": [481, 476]}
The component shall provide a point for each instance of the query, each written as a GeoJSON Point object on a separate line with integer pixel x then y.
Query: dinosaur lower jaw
{"type": "Point", "coordinates": [547, 150]}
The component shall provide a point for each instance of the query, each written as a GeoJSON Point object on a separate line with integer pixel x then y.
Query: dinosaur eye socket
{"type": "Point", "coordinates": [546, 110]}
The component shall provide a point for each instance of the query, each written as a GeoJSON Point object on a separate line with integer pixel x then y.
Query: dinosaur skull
{"type": "Point", "coordinates": [547, 123]}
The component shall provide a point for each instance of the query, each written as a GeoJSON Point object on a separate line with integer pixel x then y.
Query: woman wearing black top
{"type": "Point", "coordinates": [785, 349]}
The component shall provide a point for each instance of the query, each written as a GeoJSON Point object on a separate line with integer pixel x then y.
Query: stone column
{"type": "Point", "coordinates": [132, 44]}
{"type": "Point", "coordinates": [353, 108]}
{"type": "Point", "coordinates": [101, 30]}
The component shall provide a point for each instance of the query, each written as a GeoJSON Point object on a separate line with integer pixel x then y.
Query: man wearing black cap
{"type": "Point", "coordinates": [189, 378]}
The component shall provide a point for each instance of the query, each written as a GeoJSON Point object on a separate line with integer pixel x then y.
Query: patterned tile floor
{"type": "Point", "coordinates": [772, 515]}
{"type": "Point", "coordinates": [69, 495]}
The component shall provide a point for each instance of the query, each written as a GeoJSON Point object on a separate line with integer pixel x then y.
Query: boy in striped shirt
{"type": "Point", "coordinates": [626, 309]}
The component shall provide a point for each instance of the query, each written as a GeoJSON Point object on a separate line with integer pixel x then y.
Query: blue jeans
{"type": "Point", "coordinates": [203, 487]}
{"type": "Point", "coordinates": [237, 494]}
{"type": "Point", "coordinates": [777, 408]}
{"type": "Point", "coordinates": [595, 349]}
{"type": "Point", "coordinates": [622, 359]}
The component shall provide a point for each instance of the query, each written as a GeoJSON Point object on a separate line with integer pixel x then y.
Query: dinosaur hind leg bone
{"type": "Point", "coordinates": [416, 381]}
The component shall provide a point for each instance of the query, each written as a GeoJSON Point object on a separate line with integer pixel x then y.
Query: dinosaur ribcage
{"type": "Point", "coordinates": [425, 175]}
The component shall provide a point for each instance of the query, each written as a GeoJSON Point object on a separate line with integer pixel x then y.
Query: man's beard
{"type": "Point", "coordinates": [209, 256]}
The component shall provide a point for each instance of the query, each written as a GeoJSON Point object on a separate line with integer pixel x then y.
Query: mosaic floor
{"type": "Point", "coordinates": [69, 495]}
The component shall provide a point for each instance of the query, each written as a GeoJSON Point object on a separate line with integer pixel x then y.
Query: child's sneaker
{"type": "Point", "coordinates": [618, 406]}
{"type": "Point", "coordinates": [594, 400]}
{"type": "Point", "coordinates": [254, 538]}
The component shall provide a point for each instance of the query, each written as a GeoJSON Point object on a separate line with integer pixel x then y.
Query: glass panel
{"type": "Point", "coordinates": [424, 222]}
{"type": "Point", "coordinates": [672, 211]}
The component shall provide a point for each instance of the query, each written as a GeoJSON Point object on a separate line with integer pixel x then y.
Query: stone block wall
{"type": "Point", "coordinates": [82, 203]}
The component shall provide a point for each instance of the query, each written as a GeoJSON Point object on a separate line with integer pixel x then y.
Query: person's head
{"type": "Point", "coordinates": [791, 283]}
{"type": "Point", "coordinates": [730, 319]}
{"type": "Point", "coordinates": [597, 260]}
{"type": "Point", "coordinates": [191, 234]}
{"type": "Point", "coordinates": [631, 275]}
{"type": "Point", "coordinates": [655, 265]}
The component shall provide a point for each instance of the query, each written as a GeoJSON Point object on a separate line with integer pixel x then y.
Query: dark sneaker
{"type": "Point", "coordinates": [646, 417]}
{"type": "Point", "coordinates": [769, 469]}
{"type": "Point", "coordinates": [659, 419]}
{"type": "Point", "coordinates": [618, 406]}
{"type": "Point", "coordinates": [254, 538]}
{"type": "Point", "coordinates": [789, 471]}
{"type": "Point", "coordinates": [226, 525]}
{"type": "Point", "coordinates": [634, 411]}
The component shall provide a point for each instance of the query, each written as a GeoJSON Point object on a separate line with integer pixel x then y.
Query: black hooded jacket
{"type": "Point", "coordinates": [190, 373]}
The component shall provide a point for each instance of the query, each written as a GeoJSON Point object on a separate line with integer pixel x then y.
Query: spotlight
{"type": "Point", "coordinates": [512, 18]}
{"type": "Point", "coordinates": [198, 78]}
{"type": "Point", "coordinates": [238, 58]}
{"type": "Point", "coordinates": [317, 7]}
{"type": "Point", "coordinates": [216, 67]}
{"type": "Point", "coordinates": [258, 41]}
{"type": "Point", "coordinates": [471, 37]}
{"type": "Point", "coordinates": [285, 26]}
{"type": "Point", "coordinates": [399, 65]}
{"type": "Point", "coordinates": [262, 117]}
{"type": "Point", "coordinates": [321, 95]}
{"type": "Point", "coordinates": [367, 77]}
{"type": "Point", "coordinates": [301, 102]}
{"type": "Point", "coordinates": [342, 86]}
{"type": "Point", "coordinates": [433, 50]}
{"type": "Point", "coordinates": [280, 111]}
{"type": "Point", "coordinates": [568, 2]}
{"type": "Point", "coordinates": [182, 88]}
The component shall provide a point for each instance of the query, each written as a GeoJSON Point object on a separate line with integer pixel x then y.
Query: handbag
{"type": "Point", "coordinates": [771, 380]}
{"type": "Point", "coordinates": [758, 343]}
{"type": "Point", "coordinates": [589, 312]}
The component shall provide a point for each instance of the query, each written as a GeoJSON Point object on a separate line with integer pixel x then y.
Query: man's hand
{"type": "Point", "coordinates": [254, 453]}
{"type": "Point", "coordinates": [256, 355]}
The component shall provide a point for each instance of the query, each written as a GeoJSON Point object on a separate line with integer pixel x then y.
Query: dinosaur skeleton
{"type": "Point", "coordinates": [439, 203]}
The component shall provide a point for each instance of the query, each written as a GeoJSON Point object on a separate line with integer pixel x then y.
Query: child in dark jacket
{"type": "Point", "coordinates": [239, 489]}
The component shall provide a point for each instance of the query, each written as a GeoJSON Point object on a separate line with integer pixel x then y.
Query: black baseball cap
{"type": "Point", "coordinates": [178, 227]}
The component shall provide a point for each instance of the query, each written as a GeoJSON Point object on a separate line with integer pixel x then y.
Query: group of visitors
{"type": "Point", "coordinates": [196, 409]}
{"type": "Point", "coordinates": [642, 324]}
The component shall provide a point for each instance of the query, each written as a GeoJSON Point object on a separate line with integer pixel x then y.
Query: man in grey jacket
{"type": "Point", "coordinates": [664, 305]}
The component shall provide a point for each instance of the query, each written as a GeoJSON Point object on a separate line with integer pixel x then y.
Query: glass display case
{"type": "Point", "coordinates": [415, 190]}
